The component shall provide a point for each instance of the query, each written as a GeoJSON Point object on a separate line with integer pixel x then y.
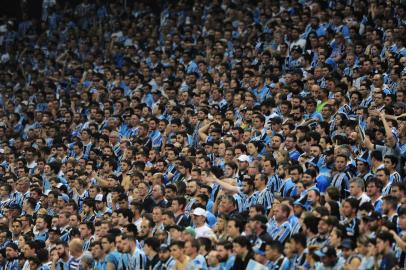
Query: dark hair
{"type": "Point", "coordinates": [180, 244]}
{"type": "Point", "coordinates": [153, 243]}
{"type": "Point", "coordinates": [299, 238]}
{"type": "Point", "coordinates": [335, 208]}
{"type": "Point", "coordinates": [96, 243]}
{"type": "Point", "coordinates": [393, 159]}
{"type": "Point", "coordinates": [333, 193]}
{"type": "Point", "coordinates": [243, 241]}
{"type": "Point", "coordinates": [206, 243]}
{"type": "Point", "coordinates": [375, 181]}
{"type": "Point", "coordinates": [392, 200]}
{"type": "Point", "coordinates": [180, 200]}
{"type": "Point", "coordinates": [126, 213]}
{"type": "Point", "coordinates": [385, 236]}
{"type": "Point", "coordinates": [259, 208]}
{"type": "Point", "coordinates": [195, 243]}
{"type": "Point", "coordinates": [311, 223]}
{"type": "Point", "coordinates": [384, 170]}
{"type": "Point", "coordinates": [353, 202]}
{"type": "Point", "coordinates": [89, 225]}
{"type": "Point", "coordinates": [376, 154]}
{"type": "Point", "coordinates": [226, 244]}
{"type": "Point", "coordinates": [276, 245]}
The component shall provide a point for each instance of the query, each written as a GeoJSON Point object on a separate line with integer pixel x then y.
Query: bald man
{"type": "Point", "coordinates": [76, 252]}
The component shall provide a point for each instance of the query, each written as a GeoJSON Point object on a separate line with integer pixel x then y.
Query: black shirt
{"type": "Point", "coordinates": [152, 262]}
{"type": "Point", "coordinates": [240, 264]}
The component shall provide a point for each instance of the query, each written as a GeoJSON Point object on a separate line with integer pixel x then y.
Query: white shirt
{"type": "Point", "coordinates": [204, 231]}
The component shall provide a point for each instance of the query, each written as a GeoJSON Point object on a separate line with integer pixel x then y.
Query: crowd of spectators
{"type": "Point", "coordinates": [234, 134]}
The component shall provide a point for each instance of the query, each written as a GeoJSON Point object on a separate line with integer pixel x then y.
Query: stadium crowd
{"type": "Point", "coordinates": [225, 135]}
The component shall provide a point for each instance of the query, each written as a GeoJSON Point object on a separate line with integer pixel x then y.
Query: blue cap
{"type": "Point", "coordinates": [363, 157]}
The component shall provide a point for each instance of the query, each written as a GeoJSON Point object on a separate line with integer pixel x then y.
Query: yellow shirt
{"type": "Point", "coordinates": [181, 265]}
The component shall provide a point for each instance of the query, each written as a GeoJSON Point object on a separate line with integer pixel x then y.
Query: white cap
{"type": "Point", "coordinates": [199, 212]}
{"type": "Point", "coordinates": [99, 198]}
{"type": "Point", "coordinates": [59, 185]}
{"type": "Point", "coordinates": [244, 158]}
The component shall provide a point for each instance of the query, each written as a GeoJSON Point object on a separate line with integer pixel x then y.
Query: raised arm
{"type": "Point", "coordinates": [223, 183]}
{"type": "Point", "coordinates": [391, 142]}
{"type": "Point", "coordinates": [203, 132]}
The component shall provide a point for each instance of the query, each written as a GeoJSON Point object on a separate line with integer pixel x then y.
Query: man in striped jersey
{"type": "Point", "coordinates": [86, 234]}
{"type": "Point", "coordinates": [264, 194]}
{"type": "Point", "coordinates": [383, 176]}
{"type": "Point", "coordinates": [243, 196]}
{"type": "Point", "coordinates": [341, 180]}
{"type": "Point", "coordinates": [86, 135]}
{"type": "Point", "coordinates": [279, 227]}
{"type": "Point", "coordinates": [99, 255]}
{"type": "Point", "coordinates": [269, 166]}
{"type": "Point", "coordinates": [76, 252]}
{"type": "Point", "coordinates": [350, 222]}
{"type": "Point", "coordinates": [166, 262]}
{"type": "Point", "coordinates": [133, 257]}
{"type": "Point", "coordinates": [287, 188]}
{"type": "Point", "coordinates": [399, 238]}
{"type": "Point", "coordinates": [260, 235]}
{"type": "Point", "coordinates": [5, 190]}
{"type": "Point", "coordinates": [390, 162]}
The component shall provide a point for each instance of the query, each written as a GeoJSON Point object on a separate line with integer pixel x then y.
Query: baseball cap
{"type": "Point", "coordinates": [55, 230]}
{"type": "Point", "coordinates": [346, 243]}
{"type": "Point", "coordinates": [260, 250]}
{"type": "Point", "coordinates": [326, 251]}
{"type": "Point", "coordinates": [176, 227]}
{"type": "Point", "coordinates": [99, 198]}
{"type": "Point", "coordinates": [163, 247]}
{"type": "Point", "coordinates": [156, 91]}
{"type": "Point", "coordinates": [244, 158]}
{"type": "Point", "coordinates": [399, 105]}
{"type": "Point", "coordinates": [190, 231]}
{"type": "Point", "coordinates": [63, 197]}
{"type": "Point", "coordinates": [276, 120]}
{"type": "Point", "coordinates": [297, 49]}
{"type": "Point", "coordinates": [59, 185]}
{"type": "Point", "coordinates": [199, 212]}
{"type": "Point", "coordinates": [373, 216]}
{"type": "Point", "coordinates": [12, 245]}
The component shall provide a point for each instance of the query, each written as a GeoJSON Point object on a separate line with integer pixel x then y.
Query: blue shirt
{"type": "Point", "coordinates": [136, 261]}
{"type": "Point", "coordinates": [288, 188]}
{"type": "Point", "coordinates": [261, 94]}
{"type": "Point", "coordinates": [279, 232]}
{"type": "Point", "coordinates": [42, 236]}
{"type": "Point", "coordinates": [197, 263]}
{"type": "Point", "coordinates": [322, 183]}
{"type": "Point", "coordinates": [115, 258]}
{"type": "Point", "coordinates": [156, 138]}
{"type": "Point", "coordinates": [264, 197]}
{"type": "Point", "coordinates": [12, 265]}
{"type": "Point", "coordinates": [74, 264]}
{"type": "Point", "coordinates": [274, 183]}
{"type": "Point", "coordinates": [100, 265]}
{"type": "Point", "coordinates": [294, 154]}
{"type": "Point", "coordinates": [227, 265]}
